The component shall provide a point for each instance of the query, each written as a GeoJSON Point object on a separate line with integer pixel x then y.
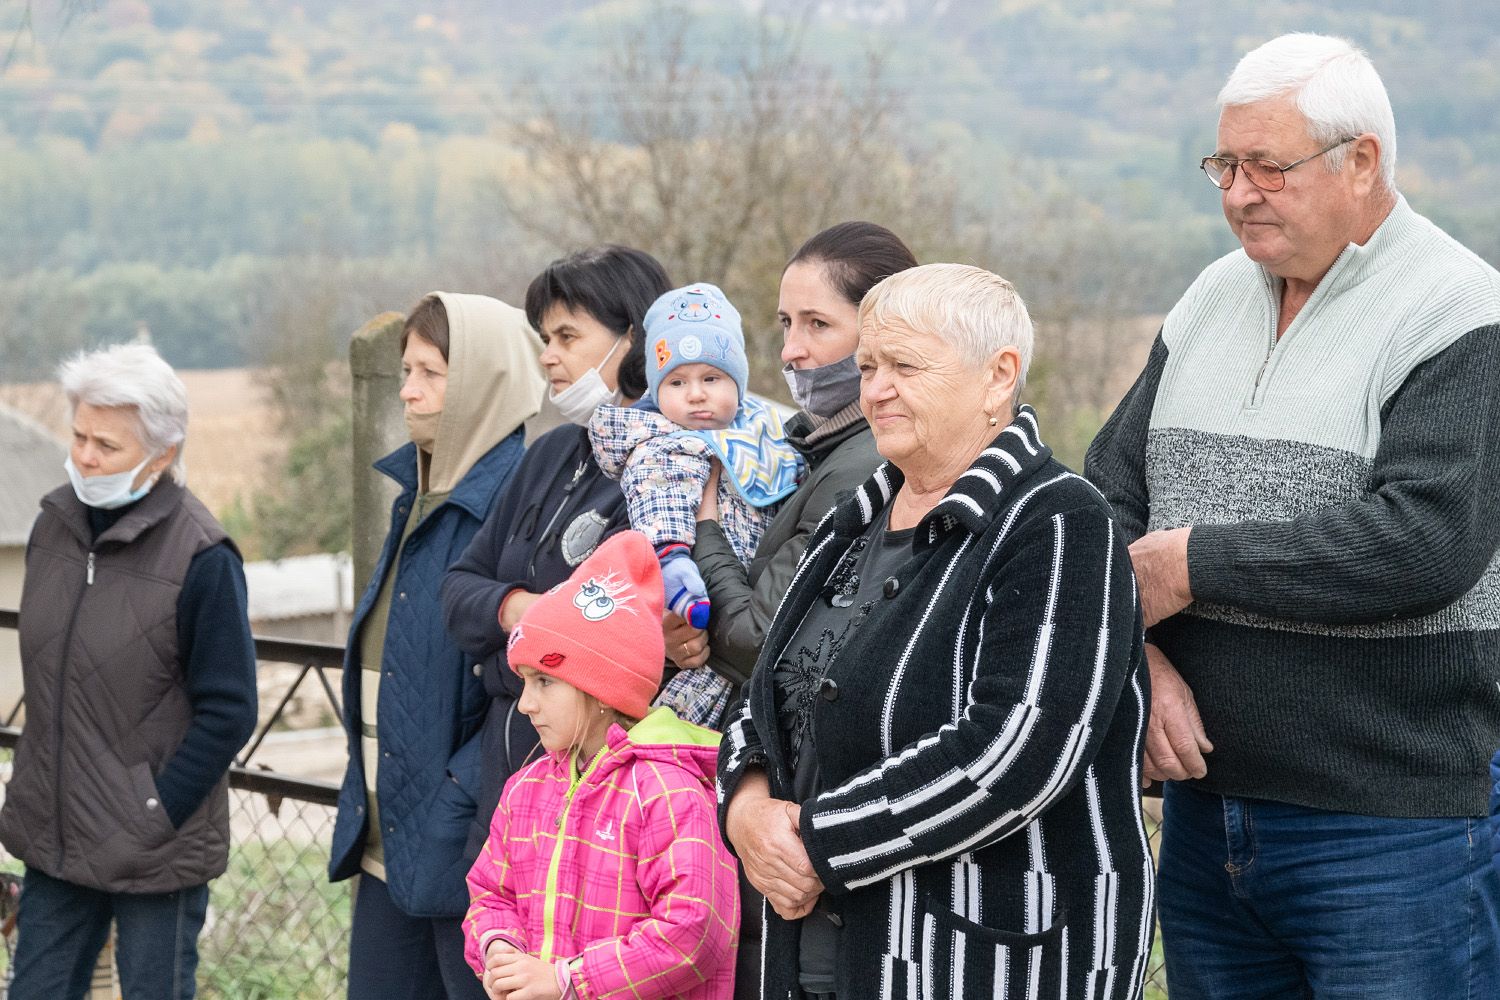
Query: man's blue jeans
{"type": "Point", "coordinates": [62, 927]}
{"type": "Point", "coordinates": [1265, 899]}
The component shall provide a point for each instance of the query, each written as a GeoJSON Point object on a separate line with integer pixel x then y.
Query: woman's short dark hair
{"type": "Point", "coordinates": [429, 320]}
{"type": "Point", "coordinates": [856, 257]}
{"type": "Point", "coordinates": [613, 284]}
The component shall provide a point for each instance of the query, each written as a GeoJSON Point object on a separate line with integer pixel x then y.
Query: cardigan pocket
{"type": "Point", "coordinates": [962, 958]}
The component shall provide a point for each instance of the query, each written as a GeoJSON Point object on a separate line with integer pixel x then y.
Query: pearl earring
{"type": "Point", "coordinates": [994, 421]}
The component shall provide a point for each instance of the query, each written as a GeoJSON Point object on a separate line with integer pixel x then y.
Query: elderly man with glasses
{"type": "Point", "coordinates": [1310, 467]}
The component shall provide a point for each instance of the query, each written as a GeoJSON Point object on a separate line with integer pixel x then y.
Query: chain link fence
{"type": "Point", "coordinates": [277, 929]}
{"type": "Point", "coordinates": [276, 926]}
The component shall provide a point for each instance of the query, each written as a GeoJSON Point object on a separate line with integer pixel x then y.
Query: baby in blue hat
{"type": "Point", "coordinates": [696, 411]}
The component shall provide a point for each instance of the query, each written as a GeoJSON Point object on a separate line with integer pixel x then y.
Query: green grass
{"type": "Point", "coordinates": [278, 929]}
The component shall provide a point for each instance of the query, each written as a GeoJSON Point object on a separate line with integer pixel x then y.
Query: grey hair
{"type": "Point", "coordinates": [132, 375]}
{"type": "Point", "coordinates": [1336, 87]}
{"type": "Point", "coordinates": [975, 310]}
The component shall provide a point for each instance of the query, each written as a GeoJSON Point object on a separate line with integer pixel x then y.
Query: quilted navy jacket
{"type": "Point", "coordinates": [432, 700]}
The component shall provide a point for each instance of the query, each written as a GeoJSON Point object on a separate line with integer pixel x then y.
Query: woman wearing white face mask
{"type": "Point", "coordinates": [140, 687]}
{"type": "Point", "coordinates": [559, 506]}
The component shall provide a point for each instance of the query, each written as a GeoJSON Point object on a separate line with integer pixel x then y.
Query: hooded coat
{"type": "Point", "coordinates": [430, 701]}
{"type": "Point", "coordinates": [620, 870]}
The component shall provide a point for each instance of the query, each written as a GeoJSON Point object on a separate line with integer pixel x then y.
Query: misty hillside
{"type": "Point", "coordinates": [178, 164]}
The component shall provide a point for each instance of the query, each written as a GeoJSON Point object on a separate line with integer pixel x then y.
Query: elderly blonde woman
{"type": "Point", "coordinates": [140, 687]}
{"type": "Point", "coordinates": [934, 779]}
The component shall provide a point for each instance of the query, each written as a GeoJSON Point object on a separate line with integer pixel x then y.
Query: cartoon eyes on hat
{"type": "Point", "coordinates": [593, 601]}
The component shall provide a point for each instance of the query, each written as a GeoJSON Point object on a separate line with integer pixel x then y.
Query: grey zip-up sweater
{"type": "Point", "coordinates": [1342, 485]}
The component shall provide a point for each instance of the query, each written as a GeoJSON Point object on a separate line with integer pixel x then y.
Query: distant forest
{"type": "Point", "coordinates": [226, 174]}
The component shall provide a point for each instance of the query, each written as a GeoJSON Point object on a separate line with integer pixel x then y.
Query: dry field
{"type": "Point", "coordinates": [231, 439]}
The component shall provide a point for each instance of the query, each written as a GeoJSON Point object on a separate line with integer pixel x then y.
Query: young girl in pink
{"type": "Point", "coordinates": [604, 874]}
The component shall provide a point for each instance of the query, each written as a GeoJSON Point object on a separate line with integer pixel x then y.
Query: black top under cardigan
{"type": "Point", "coordinates": [979, 745]}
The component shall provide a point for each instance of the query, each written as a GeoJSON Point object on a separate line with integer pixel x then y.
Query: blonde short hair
{"type": "Point", "coordinates": [976, 311]}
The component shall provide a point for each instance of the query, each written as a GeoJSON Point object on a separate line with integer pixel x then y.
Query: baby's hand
{"type": "Point", "coordinates": [522, 977]}
{"type": "Point", "coordinates": [685, 591]}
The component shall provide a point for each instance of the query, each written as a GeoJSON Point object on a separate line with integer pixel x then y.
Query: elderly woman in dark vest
{"type": "Point", "coordinates": [935, 775]}
{"type": "Point", "coordinates": [140, 687]}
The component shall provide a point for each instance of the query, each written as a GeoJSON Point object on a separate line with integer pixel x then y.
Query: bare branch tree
{"type": "Point", "coordinates": [721, 170]}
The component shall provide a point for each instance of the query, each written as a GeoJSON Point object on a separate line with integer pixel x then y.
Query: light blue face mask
{"type": "Point", "coordinates": [109, 492]}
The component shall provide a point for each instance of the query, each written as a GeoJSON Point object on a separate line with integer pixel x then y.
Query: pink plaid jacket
{"type": "Point", "coordinates": [621, 871]}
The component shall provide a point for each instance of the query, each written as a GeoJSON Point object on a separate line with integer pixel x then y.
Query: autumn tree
{"type": "Point", "coordinates": [721, 166]}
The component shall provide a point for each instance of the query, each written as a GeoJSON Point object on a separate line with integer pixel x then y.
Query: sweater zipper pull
{"type": "Point", "coordinates": [90, 580]}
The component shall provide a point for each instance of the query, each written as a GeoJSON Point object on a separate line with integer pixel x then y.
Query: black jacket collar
{"type": "Point", "coordinates": [981, 491]}
{"type": "Point", "coordinates": [127, 526]}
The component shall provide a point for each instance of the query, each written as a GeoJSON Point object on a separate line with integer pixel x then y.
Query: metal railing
{"type": "Point", "coordinates": [277, 928]}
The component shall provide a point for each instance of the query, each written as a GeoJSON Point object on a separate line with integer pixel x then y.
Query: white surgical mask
{"type": "Point", "coordinates": [588, 392]}
{"type": "Point", "coordinates": [825, 390]}
{"type": "Point", "coordinates": [109, 492]}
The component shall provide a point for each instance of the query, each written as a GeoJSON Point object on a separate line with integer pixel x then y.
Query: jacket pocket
{"type": "Point", "coordinates": [962, 958]}
{"type": "Point", "coordinates": [148, 817]}
{"type": "Point", "coordinates": [435, 841]}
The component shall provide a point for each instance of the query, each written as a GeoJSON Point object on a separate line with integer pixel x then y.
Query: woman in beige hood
{"type": "Point", "coordinates": [413, 703]}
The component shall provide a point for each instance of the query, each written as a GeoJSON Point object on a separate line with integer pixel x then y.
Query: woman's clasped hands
{"type": "Point", "coordinates": [766, 835]}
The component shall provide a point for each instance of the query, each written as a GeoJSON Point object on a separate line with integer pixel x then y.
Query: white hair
{"type": "Point", "coordinates": [135, 376]}
{"type": "Point", "coordinates": [975, 310]}
{"type": "Point", "coordinates": [1336, 87]}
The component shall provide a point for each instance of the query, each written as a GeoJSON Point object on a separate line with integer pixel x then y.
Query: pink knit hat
{"type": "Point", "coordinates": [601, 630]}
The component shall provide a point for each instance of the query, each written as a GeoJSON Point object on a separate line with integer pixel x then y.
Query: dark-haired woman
{"type": "Point", "coordinates": [589, 307]}
{"type": "Point", "coordinates": [412, 705]}
{"type": "Point", "coordinates": [821, 289]}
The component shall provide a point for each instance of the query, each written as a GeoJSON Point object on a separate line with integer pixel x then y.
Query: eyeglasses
{"type": "Point", "coordinates": [1268, 175]}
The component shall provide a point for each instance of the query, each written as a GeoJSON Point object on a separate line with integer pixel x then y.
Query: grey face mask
{"type": "Point", "coordinates": [825, 390]}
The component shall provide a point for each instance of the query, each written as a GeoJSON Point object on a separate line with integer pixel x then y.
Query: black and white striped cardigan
{"type": "Point", "coordinates": [979, 741]}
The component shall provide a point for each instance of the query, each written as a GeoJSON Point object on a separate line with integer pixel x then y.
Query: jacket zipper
{"type": "Point", "coordinates": [549, 906]}
{"type": "Point", "coordinates": [57, 727]}
{"type": "Point", "coordinates": [583, 464]}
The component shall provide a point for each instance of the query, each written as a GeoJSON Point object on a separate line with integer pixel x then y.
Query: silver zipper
{"type": "Point", "coordinates": [1273, 340]}
{"type": "Point", "coordinates": [91, 570]}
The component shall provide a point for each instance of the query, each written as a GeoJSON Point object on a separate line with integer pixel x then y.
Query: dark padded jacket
{"type": "Point", "coordinates": [432, 701]}
{"type": "Point", "coordinates": [106, 702]}
{"type": "Point", "coordinates": [557, 508]}
{"type": "Point", "coordinates": [744, 598]}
